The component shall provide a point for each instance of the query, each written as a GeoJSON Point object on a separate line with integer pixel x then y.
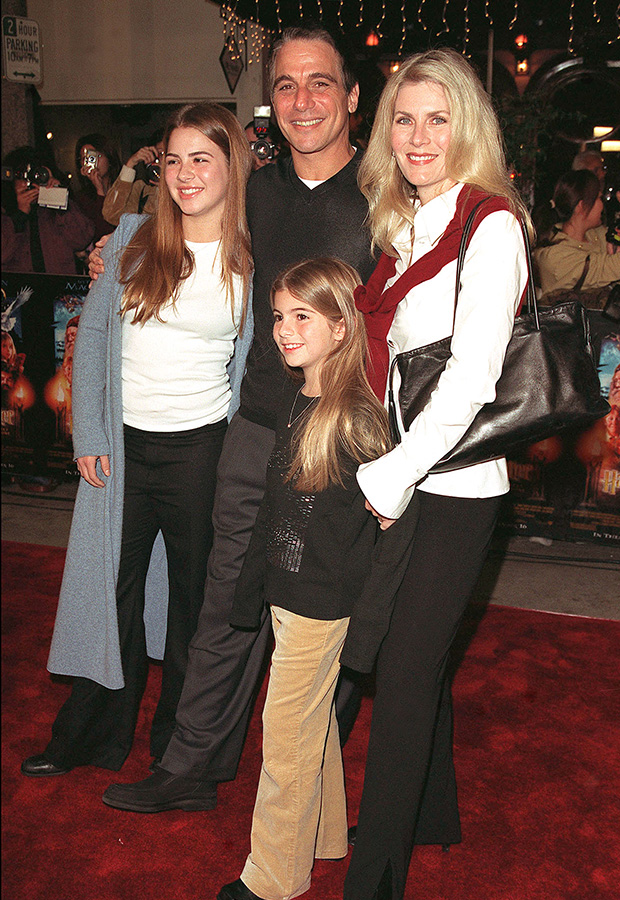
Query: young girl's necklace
{"type": "Point", "coordinates": [291, 420]}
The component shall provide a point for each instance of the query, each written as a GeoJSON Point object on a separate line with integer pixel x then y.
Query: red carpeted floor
{"type": "Point", "coordinates": [537, 750]}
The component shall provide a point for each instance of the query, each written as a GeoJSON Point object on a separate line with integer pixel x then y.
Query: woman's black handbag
{"type": "Point", "coordinates": [548, 383]}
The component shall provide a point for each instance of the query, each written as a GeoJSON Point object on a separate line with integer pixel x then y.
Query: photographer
{"type": "Point", "coordinates": [574, 254]}
{"type": "Point", "coordinates": [130, 194]}
{"type": "Point", "coordinates": [97, 164]}
{"type": "Point", "coordinates": [264, 139]}
{"type": "Point", "coordinates": [38, 238]}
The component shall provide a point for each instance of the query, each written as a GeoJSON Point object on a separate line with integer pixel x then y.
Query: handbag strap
{"type": "Point", "coordinates": [582, 277]}
{"type": "Point", "coordinates": [532, 307]}
{"type": "Point", "coordinates": [530, 293]}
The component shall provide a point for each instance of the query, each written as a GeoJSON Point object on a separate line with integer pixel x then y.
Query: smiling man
{"type": "Point", "coordinates": [312, 98]}
{"type": "Point", "coordinates": [304, 206]}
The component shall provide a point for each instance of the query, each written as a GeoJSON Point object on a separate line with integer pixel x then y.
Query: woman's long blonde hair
{"type": "Point", "coordinates": [156, 260]}
{"type": "Point", "coordinates": [475, 154]}
{"type": "Point", "coordinates": [348, 423]}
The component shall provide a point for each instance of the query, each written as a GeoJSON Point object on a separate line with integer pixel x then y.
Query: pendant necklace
{"type": "Point", "coordinates": [291, 420]}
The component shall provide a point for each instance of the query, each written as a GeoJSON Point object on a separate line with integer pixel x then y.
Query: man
{"type": "Point", "coordinates": [259, 161]}
{"type": "Point", "coordinates": [300, 207]}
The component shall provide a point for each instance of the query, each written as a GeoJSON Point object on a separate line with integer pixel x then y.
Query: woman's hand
{"type": "Point", "coordinates": [384, 523]}
{"type": "Point", "coordinates": [147, 155]}
{"type": "Point", "coordinates": [26, 196]}
{"type": "Point", "coordinates": [97, 182]}
{"type": "Point", "coordinates": [87, 467]}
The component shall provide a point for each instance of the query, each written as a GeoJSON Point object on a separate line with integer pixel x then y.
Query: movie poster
{"type": "Point", "coordinates": [568, 487]}
{"type": "Point", "coordinates": [40, 317]}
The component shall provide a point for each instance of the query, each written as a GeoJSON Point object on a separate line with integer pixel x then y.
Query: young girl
{"type": "Point", "coordinates": [307, 559]}
{"type": "Point", "coordinates": [151, 396]}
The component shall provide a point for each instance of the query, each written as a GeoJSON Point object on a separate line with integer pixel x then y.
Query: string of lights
{"type": "Point", "coordinates": [340, 8]}
{"type": "Point", "coordinates": [513, 21]}
{"type": "Point", "coordinates": [420, 19]}
{"type": "Point", "coordinates": [240, 38]}
{"type": "Point", "coordinates": [360, 21]}
{"type": "Point", "coordinates": [571, 27]}
{"type": "Point", "coordinates": [617, 38]}
{"type": "Point", "coordinates": [404, 28]}
{"type": "Point", "coordinates": [444, 19]}
{"type": "Point", "coordinates": [379, 25]}
{"type": "Point", "coordinates": [467, 35]}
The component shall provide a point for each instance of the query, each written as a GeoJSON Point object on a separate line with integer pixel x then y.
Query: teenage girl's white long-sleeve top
{"type": "Point", "coordinates": [493, 280]}
{"type": "Point", "coordinates": [174, 372]}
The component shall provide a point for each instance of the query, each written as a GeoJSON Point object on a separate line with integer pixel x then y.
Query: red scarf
{"type": "Point", "coordinates": [379, 305]}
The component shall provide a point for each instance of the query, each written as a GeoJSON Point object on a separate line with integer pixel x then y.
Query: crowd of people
{"type": "Point", "coordinates": [238, 476]}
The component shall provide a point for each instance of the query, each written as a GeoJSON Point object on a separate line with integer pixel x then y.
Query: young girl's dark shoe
{"type": "Point", "coordinates": [237, 890]}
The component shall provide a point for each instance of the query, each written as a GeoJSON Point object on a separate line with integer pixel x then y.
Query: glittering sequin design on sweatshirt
{"type": "Point", "coordinates": [288, 522]}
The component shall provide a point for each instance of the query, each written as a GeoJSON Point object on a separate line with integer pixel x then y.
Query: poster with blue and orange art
{"type": "Point", "coordinates": [40, 316]}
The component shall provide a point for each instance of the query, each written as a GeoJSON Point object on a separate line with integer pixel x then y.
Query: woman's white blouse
{"type": "Point", "coordinates": [493, 280]}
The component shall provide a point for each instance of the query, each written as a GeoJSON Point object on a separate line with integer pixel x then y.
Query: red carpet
{"type": "Point", "coordinates": [537, 737]}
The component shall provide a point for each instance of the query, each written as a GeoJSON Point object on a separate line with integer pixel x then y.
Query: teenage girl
{"type": "Point", "coordinates": [152, 389]}
{"type": "Point", "coordinates": [307, 559]}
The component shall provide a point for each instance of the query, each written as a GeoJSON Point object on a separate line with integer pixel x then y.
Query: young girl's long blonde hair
{"type": "Point", "coordinates": [156, 260]}
{"type": "Point", "coordinates": [348, 423]}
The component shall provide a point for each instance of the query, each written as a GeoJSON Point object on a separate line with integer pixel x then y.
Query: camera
{"type": "Point", "coordinates": [34, 176]}
{"type": "Point", "coordinates": [89, 162]}
{"type": "Point", "coordinates": [39, 176]}
{"type": "Point", "coordinates": [612, 216]}
{"type": "Point", "coordinates": [153, 171]}
{"type": "Point", "coordinates": [262, 147]}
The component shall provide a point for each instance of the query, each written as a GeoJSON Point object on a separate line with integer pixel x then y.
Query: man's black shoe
{"type": "Point", "coordinates": [237, 890]}
{"type": "Point", "coordinates": [40, 767]}
{"type": "Point", "coordinates": [162, 791]}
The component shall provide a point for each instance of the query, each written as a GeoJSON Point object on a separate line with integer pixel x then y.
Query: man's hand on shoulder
{"type": "Point", "coordinates": [95, 262]}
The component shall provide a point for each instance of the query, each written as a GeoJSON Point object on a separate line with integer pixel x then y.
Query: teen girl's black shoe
{"type": "Point", "coordinates": [40, 767]}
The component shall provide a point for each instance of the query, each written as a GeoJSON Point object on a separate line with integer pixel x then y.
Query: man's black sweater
{"type": "Point", "coordinates": [290, 222]}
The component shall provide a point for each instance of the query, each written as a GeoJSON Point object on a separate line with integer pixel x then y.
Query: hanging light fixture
{"type": "Point", "coordinates": [521, 55]}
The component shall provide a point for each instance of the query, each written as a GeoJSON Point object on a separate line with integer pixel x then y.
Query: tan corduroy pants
{"type": "Point", "coordinates": [300, 812]}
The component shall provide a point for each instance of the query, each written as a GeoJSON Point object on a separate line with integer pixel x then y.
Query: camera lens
{"type": "Point", "coordinates": [39, 176]}
{"type": "Point", "coordinates": [263, 149]}
{"type": "Point", "coordinates": [153, 172]}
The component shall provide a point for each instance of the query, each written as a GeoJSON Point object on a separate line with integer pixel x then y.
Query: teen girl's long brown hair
{"type": "Point", "coordinates": [156, 260]}
{"type": "Point", "coordinates": [348, 423]}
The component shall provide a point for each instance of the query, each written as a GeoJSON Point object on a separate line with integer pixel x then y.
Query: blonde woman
{"type": "Point", "coordinates": [435, 150]}
{"type": "Point", "coordinates": [307, 558]}
{"type": "Point", "coordinates": [152, 389]}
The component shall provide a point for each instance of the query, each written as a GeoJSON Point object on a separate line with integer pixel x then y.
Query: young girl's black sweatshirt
{"type": "Point", "coordinates": [309, 553]}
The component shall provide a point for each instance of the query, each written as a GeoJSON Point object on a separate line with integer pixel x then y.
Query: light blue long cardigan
{"type": "Point", "coordinates": [85, 640]}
